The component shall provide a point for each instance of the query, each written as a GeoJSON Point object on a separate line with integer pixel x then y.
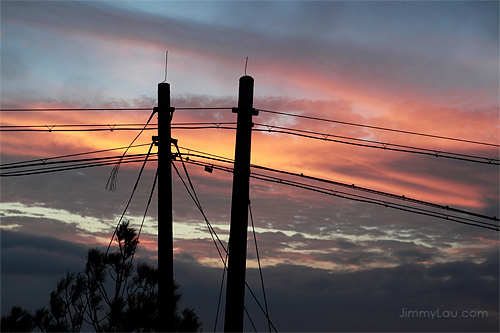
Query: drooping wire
{"type": "Point", "coordinates": [66, 168]}
{"type": "Point", "coordinates": [130, 199]}
{"type": "Point", "coordinates": [113, 177]}
{"type": "Point", "coordinates": [249, 318]}
{"type": "Point", "coordinates": [377, 127]}
{"type": "Point", "coordinates": [73, 155]}
{"type": "Point", "coordinates": [210, 228]}
{"type": "Point", "coordinates": [359, 198]}
{"type": "Point", "coordinates": [260, 268]}
{"type": "Point", "coordinates": [350, 186]}
{"type": "Point", "coordinates": [107, 109]}
{"type": "Point", "coordinates": [379, 145]}
{"type": "Point", "coordinates": [43, 162]}
{"type": "Point", "coordinates": [146, 210]}
{"type": "Point", "coordinates": [220, 294]}
{"type": "Point", "coordinates": [213, 233]}
{"type": "Point", "coordinates": [380, 193]}
{"type": "Point", "coordinates": [260, 306]}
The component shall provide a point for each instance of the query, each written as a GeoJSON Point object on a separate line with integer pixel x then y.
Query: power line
{"type": "Point", "coordinates": [104, 127]}
{"type": "Point", "coordinates": [45, 163]}
{"type": "Point", "coordinates": [113, 177]}
{"type": "Point", "coordinates": [73, 109]}
{"type": "Point", "coordinates": [377, 144]}
{"type": "Point", "coordinates": [271, 129]}
{"type": "Point", "coordinates": [360, 198]}
{"type": "Point", "coordinates": [377, 127]}
{"type": "Point", "coordinates": [73, 155]}
{"type": "Point", "coordinates": [386, 204]}
{"type": "Point", "coordinates": [258, 261]}
{"type": "Point", "coordinates": [42, 166]}
{"type": "Point", "coordinates": [68, 168]}
{"type": "Point", "coordinates": [381, 193]}
{"type": "Point", "coordinates": [355, 187]}
{"type": "Point", "coordinates": [213, 233]}
{"type": "Point", "coordinates": [380, 145]}
{"type": "Point", "coordinates": [146, 210]}
{"type": "Point", "coordinates": [106, 109]}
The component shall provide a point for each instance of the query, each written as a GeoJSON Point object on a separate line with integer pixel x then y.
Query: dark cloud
{"type": "Point", "coordinates": [306, 299]}
{"type": "Point", "coordinates": [429, 263]}
{"type": "Point", "coordinates": [299, 298]}
{"type": "Point", "coordinates": [15, 240]}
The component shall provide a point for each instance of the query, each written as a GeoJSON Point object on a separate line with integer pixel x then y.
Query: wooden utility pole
{"type": "Point", "coordinates": [235, 292]}
{"type": "Point", "coordinates": [165, 217]}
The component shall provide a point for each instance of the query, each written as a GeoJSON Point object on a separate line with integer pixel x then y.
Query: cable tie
{"type": "Point", "coordinates": [50, 128]}
{"type": "Point", "coordinates": [385, 145]}
{"type": "Point", "coordinates": [217, 125]}
{"type": "Point", "coordinates": [269, 128]}
{"type": "Point", "coordinates": [111, 127]}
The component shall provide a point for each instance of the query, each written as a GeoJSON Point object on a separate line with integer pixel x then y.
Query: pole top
{"type": "Point", "coordinates": [245, 95]}
{"type": "Point", "coordinates": [246, 79]}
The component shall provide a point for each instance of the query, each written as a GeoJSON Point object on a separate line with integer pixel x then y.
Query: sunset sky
{"type": "Point", "coordinates": [329, 263]}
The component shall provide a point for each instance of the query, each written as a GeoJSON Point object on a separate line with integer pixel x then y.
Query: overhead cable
{"type": "Point", "coordinates": [354, 187]}
{"type": "Point", "coordinates": [104, 109]}
{"type": "Point", "coordinates": [379, 144]}
{"type": "Point", "coordinates": [73, 155]}
{"type": "Point", "coordinates": [213, 233]}
{"type": "Point", "coordinates": [377, 127]}
{"type": "Point", "coordinates": [360, 198]}
{"type": "Point", "coordinates": [113, 177]}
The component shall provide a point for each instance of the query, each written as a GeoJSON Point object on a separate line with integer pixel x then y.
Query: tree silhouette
{"type": "Point", "coordinates": [129, 303]}
{"type": "Point", "coordinates": [19, 320]}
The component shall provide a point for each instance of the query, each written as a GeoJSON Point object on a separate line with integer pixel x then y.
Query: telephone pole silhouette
{"type": "Point", "coordinates": [237, 249]}
{"type": "Point", "coordinates": [165, 214]}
